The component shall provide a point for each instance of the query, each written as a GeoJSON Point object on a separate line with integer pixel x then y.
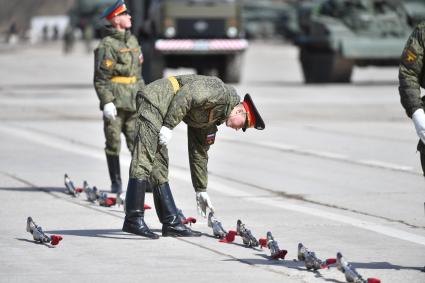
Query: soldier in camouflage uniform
{"type": "Point", "coordinates": [117, 78]}
{"type": "Point", "coordinates": [202, 103]}
{"type": "Point", "coordinates": [412, 78]}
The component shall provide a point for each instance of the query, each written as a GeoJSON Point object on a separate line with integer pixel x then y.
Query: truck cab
{"type": "Point", "coordinates": [205, 35]}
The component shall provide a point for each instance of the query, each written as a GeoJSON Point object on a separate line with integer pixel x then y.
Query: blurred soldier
{"type": "Point", "coordinates": [88, 34]}
{"type": "Point", "coordinates": [202, 103]}
{"type": "Point", "coordinates": [412, 77]}
{"type": "Point", "coordinates": [55, 34]}
{"type": "Point", "coordinates": [12, 35]}
{"type": "Point", "coordinates": [68, 39]}
{"type": "Point", "coordinates": [117, 78]}
{"type": "Point", "coordinates": [45, 32]}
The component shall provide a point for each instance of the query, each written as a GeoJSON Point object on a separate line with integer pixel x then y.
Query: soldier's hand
{"type": "Point", "coordinates": [165, 135]}
{"type": "Point", "coordinates": [140, 58]}
{"type": "Point", "coordinates": [203, 202]}
{"type": "Point", "coordinates": [109, 111]}
{"type": "Point", "coordinates": [419, 120]}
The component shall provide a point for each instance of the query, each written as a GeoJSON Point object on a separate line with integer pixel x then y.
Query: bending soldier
{"type": "Point", "coordinates": [411, 78]}
{"type": "Point", "coordinates": [117, 78]}
{"type": "Point", "coordinates": [202, 103]}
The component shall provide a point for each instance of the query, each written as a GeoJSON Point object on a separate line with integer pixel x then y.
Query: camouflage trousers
{"type": "Point", "coordinates": [149, 159]}
{"type": "Point", "coordinates": [125, 122]}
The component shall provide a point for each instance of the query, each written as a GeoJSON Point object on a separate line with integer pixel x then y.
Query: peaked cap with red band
{"type": "Point", "coordinates": [253, 118]}
{"type": "Point", "coordinates": [118, 8]}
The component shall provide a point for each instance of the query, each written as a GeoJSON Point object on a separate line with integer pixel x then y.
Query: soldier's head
{"type": "Point", "coordinates": [118, 15]}
{"type": "Point", "coordinates": [245, 115]}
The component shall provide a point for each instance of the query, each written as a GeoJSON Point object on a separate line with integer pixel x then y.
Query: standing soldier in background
{"type": "Point", "coordinates": [412, 78]}
{"type": "Point", "coordinates": [117, 78]}
{"type": "Point", "coordinates": [88, 34]}
{"type": "Point", "coordinates": [68, 39]}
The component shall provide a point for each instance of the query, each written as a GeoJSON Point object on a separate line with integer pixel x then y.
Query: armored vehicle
{"type": "Point", "coordinates": [268, 19]}
{"type": "Point", "coordinates": [205, 35]}
{"type": "Point", "coordinates": [415, 11]}
{"type": "Point", "coordinates": [338, 34]}
{"type": "Point", "coordinates": [85, 14]}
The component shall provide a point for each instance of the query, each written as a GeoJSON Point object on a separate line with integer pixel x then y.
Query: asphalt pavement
{"type": "Point", "coordinates": [335, 169]}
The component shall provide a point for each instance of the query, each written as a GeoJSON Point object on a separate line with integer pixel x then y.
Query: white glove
{"type": "Point", "coordinates": [109, 111]}
{"type": "Point", "coordinates": [165, 135]}
{"type": "Point", "coordinates": [203, 201]}
{"type": "Point", "coordinates": [418, 118]}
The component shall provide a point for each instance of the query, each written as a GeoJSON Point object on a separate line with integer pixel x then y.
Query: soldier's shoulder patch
{"type": "Point", "coordinates": [108, 63]}
{"type": "Point", "coordinates": [409, 56]}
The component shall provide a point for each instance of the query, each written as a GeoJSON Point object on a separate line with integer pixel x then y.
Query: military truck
{"type": "Point", "coordinates": [206, 35]}
{"type": "Point", "coordinates": [336, 35]}
{"type": "Point", "coordinates": [86, 14]}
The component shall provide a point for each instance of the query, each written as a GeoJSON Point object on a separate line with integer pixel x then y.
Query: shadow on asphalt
{"type": "Point", "coordinates": [35, 242]}
{"type": "Point", "coordinates": [299, 265]}
{"type": "Point", "coordinates": [46, 86]}
{"type": "Point", "coordinates": [383, 265]}
{"type": "Point", "coordinates": [100, 233]}
{"type": "Point", "coordinates": [282, 83]}
{"type": "Point", "coordinates": [33, 189]}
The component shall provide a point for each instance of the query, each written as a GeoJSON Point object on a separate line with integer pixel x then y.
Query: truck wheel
{"type": "Point", "coordinates": [325, 67]}
{"type": "Point", "coordinates": [230, 69]}
{"type": "Point", "coordinates": [153, 64]}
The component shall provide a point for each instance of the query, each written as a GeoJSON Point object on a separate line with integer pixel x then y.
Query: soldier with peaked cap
{"type": "Point", "coordinates": [411, 79]}
{"type": "Point", "coordinates": [203, 103]}
{"type": "Point", "coordinates": [117, 78]}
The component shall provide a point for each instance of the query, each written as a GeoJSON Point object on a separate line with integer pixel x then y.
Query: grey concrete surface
{"type": "Point", "coordinates": [336, 168]}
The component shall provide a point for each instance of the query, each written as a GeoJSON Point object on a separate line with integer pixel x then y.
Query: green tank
{"type": "Point", "coordinates": [336, 35]}
{"type": "Point", "coordinates": [415, 10]}
{"type": "Point", "coordinates": [205, 35]}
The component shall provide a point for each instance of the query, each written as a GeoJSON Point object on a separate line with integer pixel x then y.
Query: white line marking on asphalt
{"type": "Point", "coordinates": [336, 156]}
{"type": "Point", "coordinates": [381, 229]}
{"type": "Point", "coordinates": [223, 188]}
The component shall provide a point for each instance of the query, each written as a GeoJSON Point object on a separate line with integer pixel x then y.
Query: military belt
{"type": "Point", "coordinates": [174, 83]}
{"type": "Point", "coordinates": [123, 80]}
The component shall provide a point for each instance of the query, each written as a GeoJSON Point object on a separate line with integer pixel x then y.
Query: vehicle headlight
{"type": "Point", "coordinates": [232, 31]}
{"type": "Point", "coordinates": [170, 32]}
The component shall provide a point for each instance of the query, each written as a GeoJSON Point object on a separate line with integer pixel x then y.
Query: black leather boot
{"type": "Point", "coordinates": [167, 214]}
{"type": "Point", "coordinates": [134, 209]}
{"type": "Point", "coordinates": [114, 173]}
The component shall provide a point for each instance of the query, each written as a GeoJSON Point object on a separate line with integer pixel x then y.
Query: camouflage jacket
{"type": "Point", "coordinates": [202, 103]}
{"type": "Point", "coordinates": [117, 71]}
{"type": "Point", "coordinates": [412, 72]}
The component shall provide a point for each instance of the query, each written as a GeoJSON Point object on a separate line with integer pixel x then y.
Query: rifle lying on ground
{"type": "Point", "coordinates": [248, 239]}
{"type": "Point", "coordinates": [271, 243]}
{"type": "Point", "coordinates": [70, 188]}
{"type": "Point", "coordinates": [92, 194]}
{"type": "Point", "coordinates": [39, 235]}
{"type": "Point", "coordinates": [311, 261]}
{"type": "Point", "coordinates": [218, 230]}
{"type": "Point", "coordinates": [189, 220]}
{"type": "Point", "coordinates": [350, 273]}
